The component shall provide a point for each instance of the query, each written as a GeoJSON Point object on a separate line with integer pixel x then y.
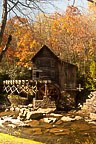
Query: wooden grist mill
{"type": "Point", "coordinates": [51, 78]}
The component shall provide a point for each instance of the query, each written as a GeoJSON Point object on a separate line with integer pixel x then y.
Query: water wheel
{"type": "Point", "coordinates": [52, 90]}
{"type": "Point", "coordinates": [41, 92]}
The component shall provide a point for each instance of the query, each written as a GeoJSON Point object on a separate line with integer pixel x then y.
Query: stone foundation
{"type": "Point", "coordinates": [45, 103]}
{"type": "Point", "coordinates": [67, 100]}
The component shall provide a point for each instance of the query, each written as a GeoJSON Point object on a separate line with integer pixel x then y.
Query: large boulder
{"type": "Point", "coordinates": [46, 110]}
{"type": "Point", "coordinates": [93, 116]}
{"type": "Point", "coordinates": [17, 100]}
{"type": "Point", "coordinates": [67, 118]}
{"type": "Point", "coordinates": [39, 113]}
{"type": "Point", "coordinates": [78, 118]}
{"type": "Point", "coordinates": [34, 115]}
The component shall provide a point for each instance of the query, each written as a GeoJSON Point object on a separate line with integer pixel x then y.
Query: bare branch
{"type": "Point", "coordinates": [74, 2]}
{"type": "Point", "coordinates": [92, 1]}
{"type": "Point", "coordinates": [20, 10]}
{"type": "Point", "coordinates": [39, 7]}
{"type": "Point", "coordinates": [13, 6]}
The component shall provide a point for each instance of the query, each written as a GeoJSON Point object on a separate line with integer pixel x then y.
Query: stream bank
{"type": "Point", "coordinates": [50, 126]}
{"type": "Point", "coordinates": [55, 127]}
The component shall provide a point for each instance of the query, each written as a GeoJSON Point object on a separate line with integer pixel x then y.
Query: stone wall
{"type": "Point", "coordinates": [67, 100]}
{"type": "Point", "coordinates": [90, 105]}
{"type": "Point", "coordinates": [45, 103]}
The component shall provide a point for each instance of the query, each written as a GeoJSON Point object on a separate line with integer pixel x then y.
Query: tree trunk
{"type": "Point", "coordinates": [2, 28]}
{"type": "Point", "coordinates": [4, 19]}
{"type": "Point", "coordinates": [6, 47]}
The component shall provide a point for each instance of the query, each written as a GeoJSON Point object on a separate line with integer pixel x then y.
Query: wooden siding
{"type": "Point", "coordinates": [45, 66]}
{"type": "Point", "coordinates": [67, 75]}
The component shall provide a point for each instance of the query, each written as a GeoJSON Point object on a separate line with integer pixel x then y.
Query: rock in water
{"type": "Point", "coordinates": [78, 118]}
{"type": "Point", "coordinates": [49, 120]}
{"type": "Point", "coordinates": [93, 116]}
{"type": "Point", "coordinates": [67, 118]}
{"type": "Point", "coordinates": [33, 115]}
{"type": "Point", "coordinates": [46, 110]}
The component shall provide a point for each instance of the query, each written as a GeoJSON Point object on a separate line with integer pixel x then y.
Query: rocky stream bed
{"type": "Point", "coordinates": [50, 126]}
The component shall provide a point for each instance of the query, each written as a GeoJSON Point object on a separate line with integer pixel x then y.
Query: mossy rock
{"type": "Point", "coordinates": [17, 100]}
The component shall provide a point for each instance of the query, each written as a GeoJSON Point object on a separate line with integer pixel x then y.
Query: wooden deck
{"type": "Point", "coordinates": [32, 86]}
{"type": "Point", "coordinates": [19, 86]}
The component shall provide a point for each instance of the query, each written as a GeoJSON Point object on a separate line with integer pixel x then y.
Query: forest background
{"type": "Point", "coordinates": [71, 35]}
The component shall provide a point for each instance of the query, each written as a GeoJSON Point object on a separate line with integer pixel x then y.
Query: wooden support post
{"type": "Point", "coordinates": [45, 89]}
{"type": "Point", "coordinates": [80, 88]}
{"type": "Point", "coordinates": [36, 91]}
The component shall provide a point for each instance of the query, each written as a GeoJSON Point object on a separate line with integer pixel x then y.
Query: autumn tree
{"type": "Point", "coordinates": [67, 35]}
{"type": "Point", "coordinates": [71, 36]}
{"type": "Point", "coordinates": [30, 37]}
{"type": "Point", "coordinates": [16, 7]}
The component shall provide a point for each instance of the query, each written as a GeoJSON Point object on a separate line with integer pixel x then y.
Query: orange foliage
{"type": "Point", "coordinates": [72, 10]}
{"type": "Point", "coordinates": [23, 43]}
{"type": "Point", "coordinates": [73, 37]}
{"type": "Point", "coordinates": [68, 35]}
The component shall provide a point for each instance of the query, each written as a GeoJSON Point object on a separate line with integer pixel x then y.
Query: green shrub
{"type": "Point", "coordinates": [90, 83]}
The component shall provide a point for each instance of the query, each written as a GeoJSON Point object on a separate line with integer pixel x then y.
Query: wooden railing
{"type": "Point", "coordinates": [19, 86]}
{"type": "Point", "coordinates": [31, 86]}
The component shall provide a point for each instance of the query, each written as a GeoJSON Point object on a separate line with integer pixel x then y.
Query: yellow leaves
{"type": "Point", "coordinates": [25, 48]}
{"type": "Point", "coordinates": [63, 33]}
{"type": "Point", "coordinates": [33, 44]}
{"type": "Point", "coordinates": [92, 9]}
{"type": "Point", "coordinates": [66, 23]}
{"type": "Point", "coordinates": [55, 26]}
{"type": "Point", "coordinates": [90, 43]}
{"type": "Point", "coordinates": [68, 30]}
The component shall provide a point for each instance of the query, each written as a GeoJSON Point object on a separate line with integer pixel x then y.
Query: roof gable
{"type": "Point", "coordinates": [46, 48]}
{"type": "Point", "coordinates": [41, 50]}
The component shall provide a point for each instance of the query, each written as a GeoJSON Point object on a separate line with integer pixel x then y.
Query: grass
{"type": "Point", "coordinates": [8, 139]}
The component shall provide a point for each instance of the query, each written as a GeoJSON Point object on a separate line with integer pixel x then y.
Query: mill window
{"type": "Point", "coordinates": [37, 74]}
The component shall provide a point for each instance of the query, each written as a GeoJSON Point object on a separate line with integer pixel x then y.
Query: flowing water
{"type": "Point", "coordinates": [59, 132]}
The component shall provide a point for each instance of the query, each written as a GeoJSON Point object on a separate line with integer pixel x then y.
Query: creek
{"type": "Point", "coordinates": [58, 132]}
